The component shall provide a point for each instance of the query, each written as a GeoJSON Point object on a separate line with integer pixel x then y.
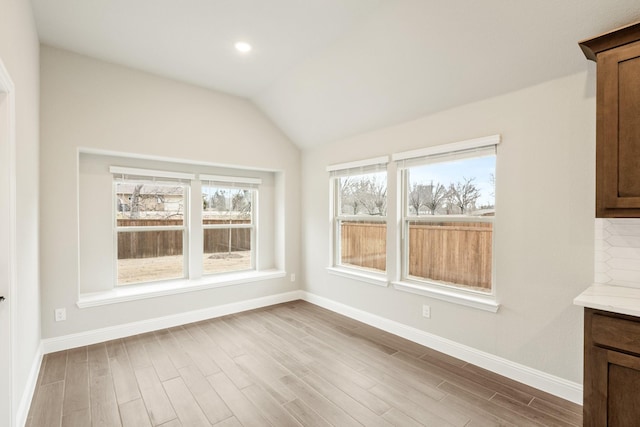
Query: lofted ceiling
{"type": "Point", "coordinates": [323, 70]}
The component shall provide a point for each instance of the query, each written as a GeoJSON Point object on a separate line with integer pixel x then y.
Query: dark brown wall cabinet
{"type": "Point", "coordinates": [618, 121]}
{"type": "Point", "coordinates": [611, 369]}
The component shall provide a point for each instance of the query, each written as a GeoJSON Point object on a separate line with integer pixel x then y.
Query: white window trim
{"type": "Point", "coordinates": [360, 274]}
{"type": "Point", "coordinates": [430, 288]}
{"type": "Point", "coordinates": [230, 179]}
{"type": "Point", "coordinates": [382, 160]}
{"type": "Point", "coordinates": [119, 170]}
{"type": "Point", "coordinates": [144, 173]}
{"type": "Point", "coordinates": [115, 294]}
{"type": "Point", "coordinates": [449, 294]}
{"type": "Point", "coordinates": [453, 147]}
{"type": "Point", "coordinates": [173, 287]}
{"type": "Point", "coordinates": [442, 291]}
{"type": "Point", "coordinates": [192, 274]}
{"type": "Point", "coordinates": [354, 272]}
{"type": "Point", "coordinates": [254, 182]}
{"type": "Point", "coordinates": [140, 175]}
{"type": "Point", "coordinates": [434, 285]}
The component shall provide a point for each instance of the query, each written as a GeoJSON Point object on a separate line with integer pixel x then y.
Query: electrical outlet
{"type": "Point", "coordinates": [426, 311]}
{"type": "Point", "coordinates": [61, 314]}
{"type": "Point", "coordinates": [293, 277]}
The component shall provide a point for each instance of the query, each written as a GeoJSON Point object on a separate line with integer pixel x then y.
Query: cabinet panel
{"type": "Point", "coordinates": [618, 121]}
{"type": "Point", "coordinates": [616, 333]}
{"type": "Point", "coordinates": [629, 128]}
{"type": "Point", "coordinates": [618, 139]}
{"type": "Point", "coordinates": [611, 370]}
{"type": "Point", "coordinates": [623, 399]}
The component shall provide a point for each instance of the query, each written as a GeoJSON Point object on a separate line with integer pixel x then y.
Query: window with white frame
{"type": "Point", "coordinates": [448, 213]}
{"type": "Point", "coordinates": [151, 218]}
{"type": "Point", "coordinates": [359, 215]}
{"type": "Point", "coordinates": [152, 231]}
{"type": "Point", "coordinates": [228, 222]}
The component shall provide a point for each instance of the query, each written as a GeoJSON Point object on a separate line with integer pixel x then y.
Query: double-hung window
{"type": "Point", "coordinates": [153, 232]}
{"type": "Point", "coordinates": [228, 222]}
{"type": "Point", "coordinates": [151, 221]}
{"type": "Point", "coordinates": [150, 227]}
{"type": "Point", "coordinates": [448, 213]}
{"type": "Point", "coordinates": [359, 215]}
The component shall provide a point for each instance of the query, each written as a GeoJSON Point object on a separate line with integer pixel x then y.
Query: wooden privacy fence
{"type": "Point", "coordinates": [453, 252]}
{"type": "Point", "coordinates": [157, 243]}
{"type": "Point", "coordinates": [364, 244]}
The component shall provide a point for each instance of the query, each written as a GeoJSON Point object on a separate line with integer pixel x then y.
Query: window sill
{"type": "Point", "coordinates": [172, 287]}
{"type": "Point", "coordinates": [362, 276]}
{"type": "Point", "coordinates": [481, 302]}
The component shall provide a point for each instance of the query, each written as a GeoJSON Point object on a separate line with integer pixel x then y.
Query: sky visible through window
{"type": "Point", "coordinates": [446, 173]}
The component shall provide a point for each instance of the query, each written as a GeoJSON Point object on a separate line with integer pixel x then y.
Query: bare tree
{"type": "Point", "coordinates": [239, 207]}
{"type": "Point", "coordinates": [372, 195]}
{"type": "Point", "coordinates": [364, 195]}
{"type": "Point", "coordinates": [418, 197]}
{"type": "Point", "coordinates": [347, 195]}
{"type": "Point", "coordinates": [450, 200]}
{"type": "Point", "coordinates": [436, 197]}
{"type": "Point", "coordinates": [136, 202]}
{"type": "Point", "coordinates": [218, 201]}
{"type": "Point", "coordinates": [464, 194]}
{"type": "Point", "coordinates": [239, 201]}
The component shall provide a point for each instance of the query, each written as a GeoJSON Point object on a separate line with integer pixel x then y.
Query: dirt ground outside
{"type": "Point", "coordinates": [137, 270]}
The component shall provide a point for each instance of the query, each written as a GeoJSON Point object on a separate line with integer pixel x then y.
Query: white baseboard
{"type": "Point", "coordinates": [549, 383]}
{"type": "Point", "coordinates": [120, 331]}
{"type": "Point", "coordinates": [27, 396]}
{"type": "Point", "coordinates": [541, 380]}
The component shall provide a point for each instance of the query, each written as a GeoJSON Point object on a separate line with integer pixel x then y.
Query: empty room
{"type": "Point", "coordinates": [319, 213]}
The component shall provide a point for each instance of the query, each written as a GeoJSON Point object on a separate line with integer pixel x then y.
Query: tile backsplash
{"type": "Point", "coordinates": [617, 252]}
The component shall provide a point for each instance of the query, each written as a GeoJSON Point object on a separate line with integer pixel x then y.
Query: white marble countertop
{"type": "Point", "coordinates": [617, 299]}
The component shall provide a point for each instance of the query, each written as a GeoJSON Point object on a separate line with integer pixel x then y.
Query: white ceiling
{"type": "Point", "coordinates": [323, 70]}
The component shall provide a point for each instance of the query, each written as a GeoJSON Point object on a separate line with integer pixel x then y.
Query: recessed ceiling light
{"type": "Point", "coordinates": [243, 47]}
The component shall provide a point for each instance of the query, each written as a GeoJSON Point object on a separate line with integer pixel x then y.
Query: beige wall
{"type": "Point", "coordinates": [100, 106]}
{"type": "Point", "coordinates": [19, 53]}
{"type": "Point", "coordinates": [544, 239]}
{"type": "Point", "coordinates": [544, 227]}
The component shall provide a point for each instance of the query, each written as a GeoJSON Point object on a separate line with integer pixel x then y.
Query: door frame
{"type": "Point", "coordinates": [7, 87]}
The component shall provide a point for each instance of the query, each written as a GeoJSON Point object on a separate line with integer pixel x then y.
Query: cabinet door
{"type": "Point", "coordinates": [618, 128]}
{"type": "Point", "coordinates": [612, 382]}
{"type": "Point", "coordinates": [623, 399]}
{"type": "Point", "coordinates": [611, 369]}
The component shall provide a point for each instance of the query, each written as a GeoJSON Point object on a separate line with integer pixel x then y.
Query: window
{"type": "Point", "coordinates": [150, 225]}
{"type": "Point", "coordinates": [448, 212]}
{"type": "Point", "coordinates": [152, 217]}
{"type": "Point", "coordinates": [360, 215]}
{"type": "Point", "coordinates": [228, 206]}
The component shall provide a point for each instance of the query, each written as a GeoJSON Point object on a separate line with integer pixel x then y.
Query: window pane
{"type": "Point", "coordinates": [363, 194]}
{"type": "Point", "coordinates": [149, 204]}
{"type": "Point", "coordinates": [227, 249]}
{"type": "Point", "coordinates": [364, 244]}
{"type": "Point", "coordinates": [459, 187]}
{"type": "Point", "coordinates": [228, 205]}
{"type": "Point", "coordinates": [455, 253]}
{"type": "Point", "coordinates": [146, 256]}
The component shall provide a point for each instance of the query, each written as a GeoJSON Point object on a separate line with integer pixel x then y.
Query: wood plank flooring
{"type": "Point", "coordinates": [287, 365]}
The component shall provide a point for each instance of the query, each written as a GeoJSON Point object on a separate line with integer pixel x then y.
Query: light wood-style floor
{"type": "Point", "coordinates": [286, 365]}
